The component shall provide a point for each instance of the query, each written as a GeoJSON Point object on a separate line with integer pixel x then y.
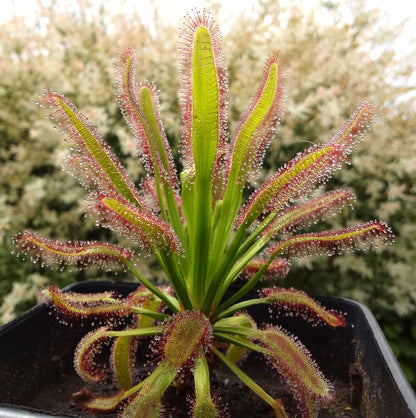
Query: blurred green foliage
{"type": "Point", "coordinates": [334, 55]}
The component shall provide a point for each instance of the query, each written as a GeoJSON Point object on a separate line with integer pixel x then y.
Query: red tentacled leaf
{"type": "Point", "coordinates": [142, 227]}
{"type": "Point", "coordinates": [69, 305]}
{"type": "Point", "coordinates": [293, 301]}
{"type": "Point", "coordinates": [258, 124]}
{"type": "Point", "coordinates": [294, 179]}
{"type": "Point", "coordinates": [305, 214]}
{"type": "Point", "coordinates": [140, 107]}
{"type": "Point", "coordinates": [294, 362]}
{"type": "Point", "coordinates": [80, 254]}
{"type": "Point", "coordinates": [334, 242]}
{"type": "Point", "coordinates": [88, 348]}
{"type": "Point", "coordinates": [277, 269]}
{"type": "Point", "coordinates": [86, 141]}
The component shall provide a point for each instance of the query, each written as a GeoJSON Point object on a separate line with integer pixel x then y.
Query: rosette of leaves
{"type": "Point", "coordinates": [202, 232]}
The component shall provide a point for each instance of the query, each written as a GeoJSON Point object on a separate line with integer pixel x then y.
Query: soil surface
{"type": "Point", "coordinates": [235, 398]}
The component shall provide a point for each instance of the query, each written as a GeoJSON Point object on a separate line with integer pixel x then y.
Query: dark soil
{"type": "Point", "coordinates": [233, 396]}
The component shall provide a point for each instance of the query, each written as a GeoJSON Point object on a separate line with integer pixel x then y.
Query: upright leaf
{"type": "Point", "coordinates": [257, 126]}
{"type": "Point", "coordinates": [204, 92]}
{"type": "Point", "coordinates": [140, 107]}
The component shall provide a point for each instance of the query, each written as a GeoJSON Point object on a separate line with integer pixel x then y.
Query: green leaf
{"type": "Point", "coordinates": [205, 126]}
{"type": "Point", "coordinates": [256, 127]}
{"type": "Point", "coordinates": [203, 88]}
{"type": "Point", "coordinates": [98, 403]}
{"type": "Point", "coordinates": [122, 361]}
{"type": "Point", "coordinates": [147, 399]}
{"type": "Point", "coordinates": [204, 407]}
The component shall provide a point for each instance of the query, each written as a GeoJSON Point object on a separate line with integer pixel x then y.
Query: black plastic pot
{"type": "Point", "coordinates": [30, 360]}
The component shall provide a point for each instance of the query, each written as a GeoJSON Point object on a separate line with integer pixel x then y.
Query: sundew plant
{"type": "Point", "coordinates": [205, 235]}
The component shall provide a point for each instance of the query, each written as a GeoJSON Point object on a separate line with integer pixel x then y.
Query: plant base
{"type": "Point", "coordinates": [35, 374]}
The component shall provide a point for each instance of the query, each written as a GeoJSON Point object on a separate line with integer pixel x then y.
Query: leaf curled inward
{"type": "Point", "coordinates": [87, 349]}
{"type": "Point", "coordinates": [94, 403]}
{"type": "Point", "coordinates": [185, 334]}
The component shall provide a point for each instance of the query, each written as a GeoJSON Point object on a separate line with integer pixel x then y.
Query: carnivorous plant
{"type": "Point", "coordinates": [204, 233]}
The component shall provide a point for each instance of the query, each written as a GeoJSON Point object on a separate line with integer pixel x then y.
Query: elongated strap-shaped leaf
{"type": "Point", "coordinates": [79, 305]}
{"type": "Point", "coordinates": [294, 362]}
{"type": "Point", "coordinates": [84, 139]}
{"type": "Point", "coordinates": [140, 107]}
{"type": "Point", "coordinates": [147, 402]}
{"type": "Point", "coordinates": [295, 301]}
{"type": "Point", "coordinates": [142, 227]}
{"type": "Point", "coordinates": [297, 177]}
{"type": "Point", "coordinates": [122, 360]}
{"type": "Point", "coordinates": [203, 137]}
{"type": "Point", "coordinates": [95, 403]}
{"type": "Point", "coordinates": [277, 269]}
{"type": "Point", "coordinates": [356, 127]}
{"type": "Point", "coordinates": [203, 406]}
{"type": "Point", "coordinates": [91, 345]}
{"type": "Point", "coordinates": [204, 92]}
{"type": "Point", "coordinates": [335, 241]}
{"type": "Point", "coordinates": [80, 254]}
{"type": "Point", "coordinates": [253, 134]}
{"type": "Point", "coordinates": [305, 214]}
